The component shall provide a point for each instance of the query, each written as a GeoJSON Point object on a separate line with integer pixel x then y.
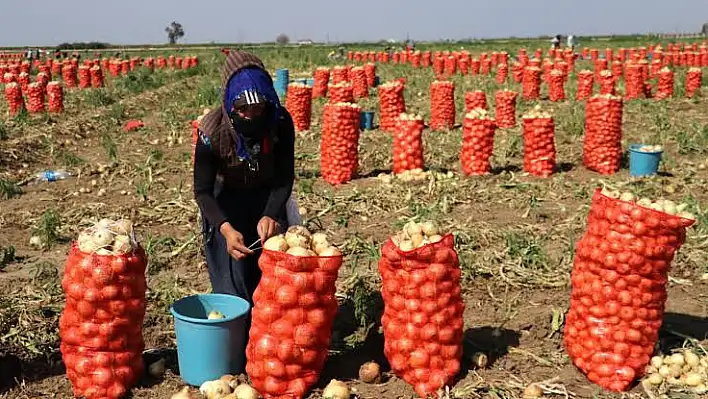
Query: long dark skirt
{"type": "Point", "coordinates": [226, 274]}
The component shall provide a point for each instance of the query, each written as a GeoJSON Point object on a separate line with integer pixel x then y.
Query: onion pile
{"type": "Point", "coordinates": [442, 105]}
{"type": "Point", "coordinates": [506, 108]}
{"type": "Point", "coordinates": [585, 85]}
{"type": "Point", "coordinates": [602, 144]}
{"type": "Point", "coordinates": [340, 93]}
{"type": "Point", "coordinates": [422, 320]}
{"type": "Point", "coordinates": [475, 99]}
{"type": "Point", "coordinates": [299, 103]}
{"type": "Point", "coordinates": [684, 369]}
{"type": "Point", "coordinates": [539, 142]}
{"type": "Point", "coordinates": [408, 143]}
{"type": "Point", "coordinates": [665, 84]}
{"type": "Point", "coordinates": [619, 279]}
{"type": "Point", "coordinates": [108, 237]}
{"type": "Point", "coordinates": [391, 105]}
{"type": "Point", "coordinates": [531, 84]}
{"type": "Point", "coordinates": [694, 76]}
{"type": "Point", "coordinates": [556, 86]}
{"type": "Point", "coordinates": [650, 148]}
{"type": "Point", "coordinates": [226, 387]}
{"type": "Point", "coordinates": [294, 307]}
{"type": "Point", "coordinates": [477, 142]}
{"type": "Point", "coordinates": [339, 144]}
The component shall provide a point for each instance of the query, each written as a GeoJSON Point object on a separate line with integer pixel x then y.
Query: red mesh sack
{"type": "Point", "coordinates": [607, 83]}
{"type": "Point", "coordinates": [634, 82]}
{"type": "Point", "coordinates": [43, 79]}
{"type": "Point", "coordinates": [339, 152]}
{"type": "Point", "coordinates": [370, 70]}
{"type": "Point", "coordinates": [294, 307]}
{"type": "Point", "coordinates": [502, 73]}
{"type": "Point", "coordinates": [321, 82]}
{"type": "Point", "coordinates": [450, 65]}
{"type": "Point", "coordinates": [391, 105]}
{"type": "Point", "coordinates": [694, 76]}
{"type": "Point", "coordinates": [602, 144]}
{"type": "Point", "coordinates": [340, 74]}
{"type": "Point", "coordinates": [35, 98]}
{"type": "Point", "coordinates": [506, 108]}
{"type": "Point", "coordinates": [485, 66]}
{"type": "Point", "coordinates": [438, 65]}
{"type": "Point", "coordinates": [96, 76]}
{"type": "Point", "coordinates": [422, 320]}
{"type": "Point", "coordinates": [68, 73]}
{"type": "Point", "coordinates": [13, 96]}
{"type": "Point", "coordinates": [475, 66]}
{"type": "Point", "coordinates": [408, 143]}
{"type": "Point", "coordinates": [101, 325]}
{"type": "Point", "coordinates": [531, 84]}
{"type": "Point", "coordinates": [299, 103]}
{"type": "Point", "coordinates": [24, 80]}
{"type": "Point", "coordinates": [477, 142]}
{"type": "Point", "coordinates": [442, 105]}
{"type": "Point", "coordinates": [539, 143]}
{"type": "Point", "coordinates": [600, 65]}
{"type": "Point", "coordinates": [585, 85]}
{"type": "Point", "coordinates": [84, 77]}
{"type": "Point", "coordinates": [665, 84]}
{"type": "Point", "coordinates": [517, 72]}
{"type": "Point", "coordinates": [475, 99]}
{"type": "Point", "coordinates": [556, 86]}
{"type": "Point", "coordinates": [618, 289]}
{"type": "Point", "coordinates": [340, 93]}
{"type": "Point", "coordinates": [360, 87]}
{"type": "Point", "coordinates": [55, 97]}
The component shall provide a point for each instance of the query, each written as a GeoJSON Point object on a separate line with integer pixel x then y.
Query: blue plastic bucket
{"type": "Point", "coordinates": [377, 81]}
{"type": "Point", "coordinates": [366, 120]}
{"type": "Point", "coordinates": [643, 163]}
{"type": "Point", "coordinates": [208, 349]}
{"type": "Point", "coordinates": [310, 82]}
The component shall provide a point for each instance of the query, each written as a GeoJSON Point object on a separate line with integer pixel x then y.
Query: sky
{"type": "Point", "coordinates": [45, 22]}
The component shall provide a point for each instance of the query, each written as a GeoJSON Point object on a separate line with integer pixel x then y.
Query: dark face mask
{"type": "Point", "coordinates": [253, 128]}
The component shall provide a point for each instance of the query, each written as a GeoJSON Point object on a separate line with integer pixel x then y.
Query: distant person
{"type": "Point", "coordinates": [571, 42]}
{"type": "Point", "coordinates": [556, 42]}
{"type": "Point", "coordinates": [28, 55]}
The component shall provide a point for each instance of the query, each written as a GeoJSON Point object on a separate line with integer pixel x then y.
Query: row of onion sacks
{"type": "Point", "coordinates": [339, 144]}
{"type": "Point", "coordinates": [299, 104]}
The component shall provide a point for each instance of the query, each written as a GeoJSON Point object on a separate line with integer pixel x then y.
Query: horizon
{"type": "Point", "coordinates": [135, 23]}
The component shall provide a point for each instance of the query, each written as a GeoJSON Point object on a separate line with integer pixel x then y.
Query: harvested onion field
{"type": "Point", "coordinates": [516, 233]}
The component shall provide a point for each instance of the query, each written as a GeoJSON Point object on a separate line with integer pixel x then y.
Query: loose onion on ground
{"type": "Point", "coordinates": [336, 390]}
{"type": "Point", "coordinates": [370, 373]}
{"type": "Point", "coordinates": [216, 389]}
{"type": "Point", "coordinates": [682, 370]}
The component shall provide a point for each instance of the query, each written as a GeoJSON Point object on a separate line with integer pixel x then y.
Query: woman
{"type": "Point", "coordinates": [244, 168]}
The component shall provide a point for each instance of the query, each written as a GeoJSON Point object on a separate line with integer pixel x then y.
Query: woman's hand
{"type": "Point", "coordinates": [234, 242]}
{"type": "Point", "coordinates": [267, 228]}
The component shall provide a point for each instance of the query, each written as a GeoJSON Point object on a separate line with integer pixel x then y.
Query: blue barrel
{"type": "Point", "coordinates": [310, 82]}
{"type": "Point", "coordinates": [642, 163]}
{"type": "Point", "coordinates": [366, 120]}
{"type": "Point", "coordinates": [377, 81]}
{"type": "Point", "coordinates": [282, 79]}
{"type": "Point", "coordinates": [208, 349]}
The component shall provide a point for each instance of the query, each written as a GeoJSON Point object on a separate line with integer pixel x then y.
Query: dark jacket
{"type": "Point", "coordinates": [216, 156]}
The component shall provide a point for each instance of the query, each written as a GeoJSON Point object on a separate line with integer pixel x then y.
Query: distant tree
{"type": "Point", "coordinates": [174, 32]}
{"type": "Point", "coordinates": [282, 39]}
{"type": "Point", "coordinates": [704, 29]}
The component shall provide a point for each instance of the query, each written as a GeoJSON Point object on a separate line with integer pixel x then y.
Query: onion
{"type": "Point", "coordinates": [429, 229]}
{"type": "Point", "coordinates": [300, 252]}
{"type": "Point", "coordinates": [297, 240]}
{"type": "Point", "coordinates": [480, 360]}
{"type": "Point", "coordinates": [87, 243]}
{"type": "Point", "coordinates": [122, 244]}
{"type": "Point", "coordinates": [331, 251]}
{"type": "Point", "coordinates": [229, 379]}
{"type": "Point", "coordinates": [319, 238]}
{"type": "Point", "coordinates": [413, 228]}
{"type": "Point", "coordinates": [655, 379]}
{"type": "Point", "coordinates": [336, 390]}
{"type": "Point", "coordinates": [319, 247]}
{"type": "Point", "coordinates": [102, 237]}
{"type": "Point", "coordinates": [276, 243]}
{"type": "Point", "coordinates": [245, 391]}
{"type": "Point", "coordinates": [435, 238]}
{"type": "Point", "coordinates": [406, 246]}
{"type": "Point", "coordinates": [370, 373]}
{"type": "Point", "coordinates": [215, 315]}
{"type": "Point", "coordinates": [123, 227]}
{"type": "Point", "coordinates": [216, 389]}
{"type": "Point", "coordinates": [533, 391]}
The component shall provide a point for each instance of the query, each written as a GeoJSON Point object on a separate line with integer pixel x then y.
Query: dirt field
{"type": "Point", "coordinates": [515, 234]}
